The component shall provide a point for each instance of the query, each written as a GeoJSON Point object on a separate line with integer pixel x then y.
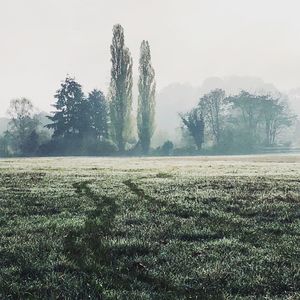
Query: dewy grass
{"type": "Point", "coordinates": [173, 228]}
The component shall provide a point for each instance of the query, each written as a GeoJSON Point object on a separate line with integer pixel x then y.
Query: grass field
{"type": "Point", "coordinates": [150, 228]}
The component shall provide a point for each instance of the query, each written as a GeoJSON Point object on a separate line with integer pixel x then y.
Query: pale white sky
{"type": "Point", "coordinates": [43, 40]}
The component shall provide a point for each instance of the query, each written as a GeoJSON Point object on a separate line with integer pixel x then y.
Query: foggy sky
{"type": "Point", "coordinates": [44, 40]}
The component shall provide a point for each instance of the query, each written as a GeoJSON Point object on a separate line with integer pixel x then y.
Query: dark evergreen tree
{"type": "Point", "coordinates": [99, 113]}
{"type": "Point", "coordinates": [83, 118]}
{"type": "Point", "coordinates": [70, 103]}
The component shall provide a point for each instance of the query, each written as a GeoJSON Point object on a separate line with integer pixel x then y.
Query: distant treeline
{"type": "Point", "coordinates": [97, 125]}
{"type": "Point", "coordinates": [241, 123]}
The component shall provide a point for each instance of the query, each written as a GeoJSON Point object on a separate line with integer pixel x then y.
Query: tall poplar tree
{"type": "Point", "coordinates": [120, 88]}
{"type": "Point", "coordinates": [146, 99]}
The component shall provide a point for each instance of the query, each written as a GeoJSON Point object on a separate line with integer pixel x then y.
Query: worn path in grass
{"type": "Point", "coordinates": [150, 228]}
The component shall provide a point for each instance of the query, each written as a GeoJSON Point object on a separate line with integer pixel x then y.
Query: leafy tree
{"type": "Point", "coordinates": [99, 114]}
{"type": "Point", "coordinates": [146, 98]}
{"type": "Point", "coordinates": [276, 116]}
{"type": "Point", "coordinates": [247, 115]}
{"type": "Point", "coordinates": [32, 143]}
{"type": "Point", "coordinates": [167, 148]}
{"type": "Point", "coordinates": [23, 122]}
{"type": "Point", "coordinates": [70, 117]}
{"type": "Point", "coordinates": [5, 144]}
{"type": "Point", "coordinates": [120, 88]}
{"type": "Point", "coordinates": [194, 122]}
{"type": "Point", "coordinates": [213, 106]}
{"type": "Point", "coordinates": [260, 117]}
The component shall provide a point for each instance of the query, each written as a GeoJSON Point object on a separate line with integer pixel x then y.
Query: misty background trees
{"type": "Point", "coordinates": [241, 123]}
{"type": "Point", "coordinates": [25, 133]}
{"type": "Point", "coordinates": [220, 122]}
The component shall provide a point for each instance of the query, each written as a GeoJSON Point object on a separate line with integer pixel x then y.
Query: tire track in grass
{"type": "Point", "coordinates": [160, 284]}
{"type": "Point", "coordinates": [134, 188]}
{"type": "Point", "coordinates": [137, 190]}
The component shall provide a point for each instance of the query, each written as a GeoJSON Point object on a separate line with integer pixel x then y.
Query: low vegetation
{"type": "Point", "coordinates": [164, 228]}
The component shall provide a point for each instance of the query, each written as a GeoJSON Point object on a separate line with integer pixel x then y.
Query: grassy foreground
{"type": "Point", "coordinates": [152, 228]}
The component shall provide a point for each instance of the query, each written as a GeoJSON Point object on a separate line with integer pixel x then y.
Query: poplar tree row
{"type": "Point", "coordinates": [120, 94]}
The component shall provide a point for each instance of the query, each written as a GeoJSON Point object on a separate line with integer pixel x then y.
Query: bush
{"type": "Point", "coordinates": [96, 147]}
{"type": "Point", "coordinates": [165, 150]}
{"type": "Point", "coordinates": [77, 146]}
{"type": "Point", "coordinates": [192, 150]}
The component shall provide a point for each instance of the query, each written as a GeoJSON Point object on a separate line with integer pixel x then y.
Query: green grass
{"type": "Point", "coordinates": [152, 228]}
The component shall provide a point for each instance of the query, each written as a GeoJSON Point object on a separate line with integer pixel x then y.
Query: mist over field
{"type": "Point", "coordinates": [150, 149]}
{"type": "Point", "coordinates": [190, 42]}
{"type": "Point", "coordinates": [195, 47]}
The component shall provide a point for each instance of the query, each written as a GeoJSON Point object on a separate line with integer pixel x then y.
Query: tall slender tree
{"type": "Point", "coordinates": [120, 88]}
{"type": "Point", "coordinates": [146, 99]}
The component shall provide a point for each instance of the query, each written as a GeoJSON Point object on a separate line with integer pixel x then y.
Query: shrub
{"type": "Point", "coordinates": [165, 150]}
{"type": "Point", "coordinates": [77, 146]}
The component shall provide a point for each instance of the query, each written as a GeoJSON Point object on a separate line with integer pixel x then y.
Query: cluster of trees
{"type": "Point", "coordinates": [93, 124]}
{"type": "Point", "coordinates": [97, 125]}
{"type": "Point", "coordinates": [239, 123]}
{"type": "Point", "coordinates": [25, 131]}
